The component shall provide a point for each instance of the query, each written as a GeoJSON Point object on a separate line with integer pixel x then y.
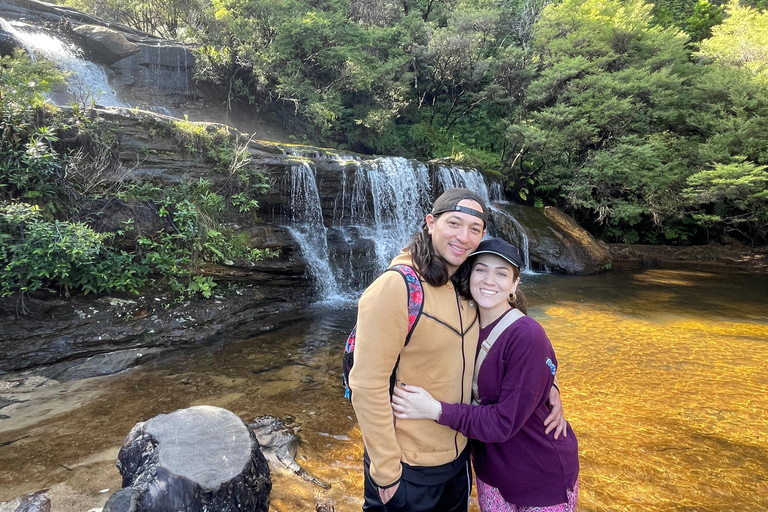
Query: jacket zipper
{"type": "Point", "coordinates": [463, 364]}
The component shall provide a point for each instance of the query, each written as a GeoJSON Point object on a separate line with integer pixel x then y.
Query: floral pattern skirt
{"type": "Point", "coordinates": [491, 500]}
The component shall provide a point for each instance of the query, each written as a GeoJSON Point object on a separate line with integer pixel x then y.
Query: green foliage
{"type": "Point", "coordinates": [705, 16]}
{"type": "Point", "coordinates": [171, 19]}
{"type": "Point", "coordinates": [209, 141]}
{"type": "Point", "coordinates": [695, 17]}
{"type": "Point", "coordinates": [741, 41]}
{"type": "Point", "coordinates": [35, 253]}
{"type": "Point", "coordinates": [733, 196]}
{"type": "Point", "coordinates": [23, 86]}
{"type": "Point", "coordinates": [42, 248]}
{"type": "Point", "coordinates": [29, 166]}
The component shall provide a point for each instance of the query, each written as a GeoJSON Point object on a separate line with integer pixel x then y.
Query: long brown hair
{"type": "Point", "coordinates": [431, 266]}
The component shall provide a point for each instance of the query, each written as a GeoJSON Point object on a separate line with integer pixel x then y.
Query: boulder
{"type": "Point", "coordinates": [32, 502]}
{"type": "Point", "coordinates": [196, 459]}
{"type": "Point", "coordinates": [104, 45]}
{"type": "Point", "coordinates": [555, 240]}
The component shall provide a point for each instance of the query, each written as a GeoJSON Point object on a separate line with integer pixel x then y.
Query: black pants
{"type": "Point", "coordinates": [449, 496]}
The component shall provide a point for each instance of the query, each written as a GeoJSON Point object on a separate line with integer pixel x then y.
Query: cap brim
{"type": "Point", "coordinates": [515, 263]}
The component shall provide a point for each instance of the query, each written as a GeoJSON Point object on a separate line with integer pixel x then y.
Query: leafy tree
{"type": "Point", "coordinates": [734, 196]}
{"type": "Point", "coordinates": [704, 17]}
{"type": "Point", "coordinates": [740, 41]}
{"type": "Point", "coordinates": [171, 19]}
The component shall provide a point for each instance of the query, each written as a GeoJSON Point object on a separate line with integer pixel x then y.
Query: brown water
{"type": "Point", "coordinates": [663, 377]}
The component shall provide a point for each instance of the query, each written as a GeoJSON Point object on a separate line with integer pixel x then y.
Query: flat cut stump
{"type": "Point", "coordinates": [200, 459]}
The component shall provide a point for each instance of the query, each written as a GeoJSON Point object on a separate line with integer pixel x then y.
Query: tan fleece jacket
{"type": "Point", "coordinates": [439, 357]}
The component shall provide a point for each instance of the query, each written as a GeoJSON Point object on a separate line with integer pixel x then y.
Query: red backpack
{"type": "Point", "coordinates": [415, 307]}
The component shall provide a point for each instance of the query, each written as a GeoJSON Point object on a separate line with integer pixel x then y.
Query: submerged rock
{"type": "Point", "coordinates": [278, 444]}
{"type": "Point", "coordinates": [32, 502]}
{"type": "Point", "coordinates": [201, 459]}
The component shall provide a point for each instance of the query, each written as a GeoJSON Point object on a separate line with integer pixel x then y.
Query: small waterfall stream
{"type": "Point", "coordinates": [400, 191]}
{"type": "Point", "coordinates": [308, 229]}
{"type": "Point", "coordinates": [450, 177]}
{"type": "Point", "coordinates": [521, 241]}
{"type": "Point", "coordinates": [86, 81]}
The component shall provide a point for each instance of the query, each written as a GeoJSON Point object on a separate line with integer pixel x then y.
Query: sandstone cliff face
{"type": "Point", "coordinates": [72, 335]}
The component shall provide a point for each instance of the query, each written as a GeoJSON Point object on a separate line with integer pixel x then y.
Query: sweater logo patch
{"type": "Point", "coordinates": [552, 366]}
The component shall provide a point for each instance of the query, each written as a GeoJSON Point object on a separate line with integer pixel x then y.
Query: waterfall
{"type": "Point", "coordinates": [308, 229]}
{"type": "Point", "coordinates": [522, 239]}
{"type": "Point", "coordinates": [86, 81]}
{"type": "Point", "coordinates": [381, 203]}
{"type": "Point", "coordinates": [400, 192]}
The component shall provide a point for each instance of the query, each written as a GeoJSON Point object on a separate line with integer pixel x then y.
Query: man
{"type": "Point", "coordinates": [419, 465]}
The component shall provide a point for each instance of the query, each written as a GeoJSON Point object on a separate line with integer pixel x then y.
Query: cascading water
{"type": "Point", "coordinates": [308, 229]}
{"type": "Point", "coordinates": [400, 191]}
{"type": "Point", "coordinates": [450, 177]}
{"type": "Point", "coordinates": [522, 238]}
{"type": "Point", "coordinates": [86, 81]}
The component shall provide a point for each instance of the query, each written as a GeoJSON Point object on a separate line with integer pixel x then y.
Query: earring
{"type": "Point", "coordinates": [513, 296]}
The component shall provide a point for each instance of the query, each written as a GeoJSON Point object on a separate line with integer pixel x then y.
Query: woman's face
{"type": "Point", "coordinates": [492, 281]}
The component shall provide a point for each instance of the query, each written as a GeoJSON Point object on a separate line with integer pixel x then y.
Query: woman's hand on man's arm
{"type": "Point", "coordinates": [415, 403]}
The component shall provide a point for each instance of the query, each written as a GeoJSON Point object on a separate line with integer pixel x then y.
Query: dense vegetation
{"type": "Point", "coordinates": [646, 122]}
{"type": "Point", "coordinates": [58, 172]}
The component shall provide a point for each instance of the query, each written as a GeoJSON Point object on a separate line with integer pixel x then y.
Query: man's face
{"type": "Point", "coordinates": [456, 235]}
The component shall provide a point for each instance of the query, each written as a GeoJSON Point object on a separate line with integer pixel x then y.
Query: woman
{"type": "Point", "coordinates": [520, 466]}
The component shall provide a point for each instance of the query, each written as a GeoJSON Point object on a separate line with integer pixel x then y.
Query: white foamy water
{"type": "Point", "coordinates": [86, 81]}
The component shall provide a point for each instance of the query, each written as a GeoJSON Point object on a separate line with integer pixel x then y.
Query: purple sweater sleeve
{"type": "Point", "coordinates": [520, 364]}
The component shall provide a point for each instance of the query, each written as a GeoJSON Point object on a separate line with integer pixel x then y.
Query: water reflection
{"type": "Point", "coordinates": [663, 376]}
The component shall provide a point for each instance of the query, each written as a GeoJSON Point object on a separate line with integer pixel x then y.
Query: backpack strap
{"type": "Point", "coordinates": [415, 296]}
{"type": "Point", "coordinates": [507, 320]}
{"type": "Point", "coordinates": [415, 307]}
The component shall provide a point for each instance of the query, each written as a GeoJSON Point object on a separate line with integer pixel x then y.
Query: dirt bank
{"type": "Point", "coordinates": [731, 257]}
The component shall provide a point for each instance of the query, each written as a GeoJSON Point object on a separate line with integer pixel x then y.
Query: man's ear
{"type": "Point", "coordinates": [430, 221]}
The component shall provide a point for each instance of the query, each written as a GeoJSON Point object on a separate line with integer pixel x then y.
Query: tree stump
{"type": "Point", "coordinates": [200, 459]}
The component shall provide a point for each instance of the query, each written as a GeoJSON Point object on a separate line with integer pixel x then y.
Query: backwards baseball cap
{"type": "Point", "coordinates": [449, 202]}
{"type": "Point", "coordinates": [500, 248]}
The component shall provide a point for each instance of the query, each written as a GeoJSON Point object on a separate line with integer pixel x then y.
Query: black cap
{"type": "Point", "coordinates": [500, 248]}
{"type": "Point", "coordinates": [449, 202]}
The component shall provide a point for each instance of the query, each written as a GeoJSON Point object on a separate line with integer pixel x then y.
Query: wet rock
{"type": "Point", "coordinates": [8, 41]}
{"type": "Point", "coordinates": [104, 45]}
{"type": "Point", "coordinates": [196, 459]}
{"type": "Point", "coordinates": [69, 332]}
{"type": "Point", "coordinates": [278, 444]}
{"type": "Point", "coordinates": [122, 500]}
{"type": "Point", "coordinates": [556, 241]}
{"type": "Point", "coordinates": [32, 502]}
{"type": "Point", "coordinates": [159, 73]}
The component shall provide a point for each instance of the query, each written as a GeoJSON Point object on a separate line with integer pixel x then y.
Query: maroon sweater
{"type": "Point", "coordinates": [510, 448]}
